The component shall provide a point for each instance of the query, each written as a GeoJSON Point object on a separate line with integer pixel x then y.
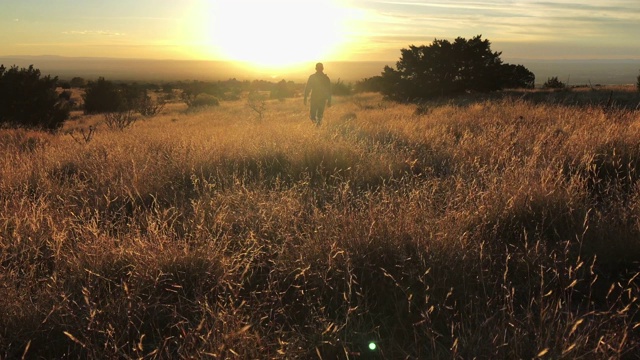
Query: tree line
{"type": "Point", "coordinates": [442, 68]}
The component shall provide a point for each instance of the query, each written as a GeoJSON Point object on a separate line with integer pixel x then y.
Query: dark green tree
{"type": "Point", "coordinates": [29, 100]}
{"type": "Point", "coordinates": [446, 68]}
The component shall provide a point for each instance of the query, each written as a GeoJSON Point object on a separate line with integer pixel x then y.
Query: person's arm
{"type": "Point", "coordinates": [307, 90]}
{"type": "Point", "coordinates": [329, 92]}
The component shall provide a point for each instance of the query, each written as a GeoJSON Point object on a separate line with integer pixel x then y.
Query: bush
{"type": "Point", "coordinates": [27, 100]}
{"type": "Point", "coordinates": [638, 82]}
{"type": "Point", "coordinates": [283, 90]}
{"type": "Point", "coordinates": [77, 82]}
{"type": "Point", "coordinates": [202, 100]}
{"type": "Point", "coordinates": [372, 84]}
{"type": "Point", "coordinates": [103, 96]}
{"type": "Point", "coordinates": [149, 107]}
{"type": "Point", "coordinates": [339, 88]}
{"type": "Point", "coordinates": [553, 83]}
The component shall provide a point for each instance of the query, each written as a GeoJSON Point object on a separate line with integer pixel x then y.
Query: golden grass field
{"type": "Point", "coordinates": [497, 228]}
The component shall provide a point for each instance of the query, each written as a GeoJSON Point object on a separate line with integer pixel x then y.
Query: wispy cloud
{"type": "Point", "coordinates": [93, 32]}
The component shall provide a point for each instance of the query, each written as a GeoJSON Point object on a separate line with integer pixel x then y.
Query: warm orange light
{"type": "Point", "coordinates": [275, 34]}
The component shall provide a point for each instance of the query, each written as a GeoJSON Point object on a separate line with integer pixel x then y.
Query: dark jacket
{"type": "Point", "coordinates": [319, 86]}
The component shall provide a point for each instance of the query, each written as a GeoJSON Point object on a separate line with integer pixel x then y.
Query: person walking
{"type": "Point", "coordinates": [319, 86]}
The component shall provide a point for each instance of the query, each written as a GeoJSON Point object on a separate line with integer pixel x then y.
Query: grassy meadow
{"type": "Point", "coordinates": [500, 227]}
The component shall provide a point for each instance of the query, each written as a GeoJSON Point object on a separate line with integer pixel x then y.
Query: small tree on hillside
{"type": "Point", "coordinates": [638, 82]}
{"type": "Point", "coordinates": [29, 100]}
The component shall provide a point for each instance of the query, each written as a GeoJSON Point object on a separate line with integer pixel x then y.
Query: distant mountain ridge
{"type": "Point", "coordinates": [572, 72]}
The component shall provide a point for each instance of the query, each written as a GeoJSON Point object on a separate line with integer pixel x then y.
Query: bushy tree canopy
{"type": "Point", "coordinates": [104, 96]}
{"type": "Point", "coordinates": [29, 100]}
{"type": "Point", "coordinates": [445, 68]}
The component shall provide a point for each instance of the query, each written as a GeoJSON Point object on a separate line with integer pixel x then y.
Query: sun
{"type": "Point", "coordinates": [276, 34]}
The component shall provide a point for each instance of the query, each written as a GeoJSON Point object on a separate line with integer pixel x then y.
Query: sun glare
{"type": "Point", "coordinates": [276, 34]}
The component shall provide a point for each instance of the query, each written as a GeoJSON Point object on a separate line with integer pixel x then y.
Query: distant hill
{"type": "Point", "coordinates": [572, 72]}
{"type": "Point", "coordinates": [170, 70]}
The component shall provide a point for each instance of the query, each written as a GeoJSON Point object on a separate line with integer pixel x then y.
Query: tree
{"type": "Point", "coordinates": [77, 82]}
{"type": "Point", "coordinates": [517, 76]}
{"type": "Point", "coordinates": [103, 96]}
{"type": "Point", "coordinates": [283, 90]}
{"type": "Point", "coordinates": [638, 82]}
{"type": "Point", "coordinates": [445, 68]}
{"type": "Point", "coordinates": [29, 100]}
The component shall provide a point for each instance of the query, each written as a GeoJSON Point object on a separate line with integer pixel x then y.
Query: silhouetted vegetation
{"type": "Point", "coordinates": [199, 94]}
{"type": "Point", "coordinates": [29, 100]}
{"type": "Point", "coordinates": [553, 83]}
{"type": "Point", "coordinates": [102, 96]}
{"type": "Point", "coordinates": [445, 68]}
{"type": "Point", "coordinates": [638, 82]}
{"type": "Point", "coordinates": [340, 88]}
{"type": "Point", "coordinates": [78, 82]}
{"type": "Point", "coordinates": [283, 90]}
{"type": "Point", "coordinates": [370, 84]}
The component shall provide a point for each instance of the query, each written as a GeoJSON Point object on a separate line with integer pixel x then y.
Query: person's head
{"type": "Point", "coordinates": [319, 67]}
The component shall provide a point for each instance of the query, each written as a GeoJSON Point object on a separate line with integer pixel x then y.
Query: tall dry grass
{"type": "Point", "coordinates": [489, 228]}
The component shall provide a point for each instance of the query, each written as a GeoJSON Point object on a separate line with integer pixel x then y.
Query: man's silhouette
{"type": "Point", "coordinates": [319, 86]}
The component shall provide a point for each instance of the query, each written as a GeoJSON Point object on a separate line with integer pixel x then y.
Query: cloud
{"type": "Point", "coordinates": [93, 32]}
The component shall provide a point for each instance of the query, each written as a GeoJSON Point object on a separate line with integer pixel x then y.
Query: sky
{"type": "Point", "coordinates": [283, 32]}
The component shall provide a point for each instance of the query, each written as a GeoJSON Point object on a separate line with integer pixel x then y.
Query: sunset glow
{"type": "Point", "coordinates": [279, 33]}
{"type": "Point", "coordinates": [275, 34]}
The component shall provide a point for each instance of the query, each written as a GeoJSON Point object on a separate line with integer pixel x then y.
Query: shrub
{"type": "Point", "coordinates": [101, 96]}
{"type": "Point", "coordinates": [119, 119]}
{"type": "Point", "coordinates": [65, 95]}
{"type": "Point", "coordinates": [638, 82]}
{"type": "Point", "coordinates": [553, 83]}
{"type": "Point", "coordinates": [339, 88]}
{"type": "Point", "coordinates": [283, 90]}
{"type": "Point", "coordinates": [29, 100]}
{"type": "Point", "coordinates": [372, 84]}
{"type": "Point", "coordinates": [149, 107]}
{"type": "Point", "coordinates": [104, 96]}
{"type": "Point", "coordinates": [78, 82]}
{"type": "Point", "coordinates": [202, 100]}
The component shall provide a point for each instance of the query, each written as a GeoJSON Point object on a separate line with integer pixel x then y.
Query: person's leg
{"type": "Point", "coordinates": [320, 113]}
{"type": "Point", "coordinates": [313, 110]}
